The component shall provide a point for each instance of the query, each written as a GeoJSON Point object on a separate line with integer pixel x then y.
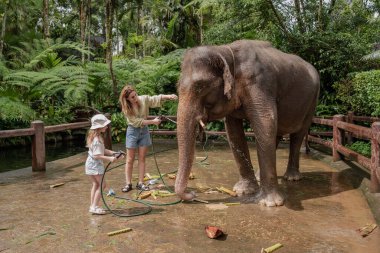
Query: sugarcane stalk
{"type": "Point", "coordinates": [272, 248]}
{"type": "Point", "coordinates": [232, 203]}
{"type": "Point", "coordinates": [56, 185]}
{"type": "Point", "coordinates": [225, 190]}
{"type": "Point", "coordinates": [124, 230]}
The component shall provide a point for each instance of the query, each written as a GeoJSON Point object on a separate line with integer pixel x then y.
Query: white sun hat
{"type": "Point", "coordinates": [99, 121]}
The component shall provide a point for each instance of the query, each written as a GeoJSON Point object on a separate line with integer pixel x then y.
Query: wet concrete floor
{"type": "Point", "coordinates": [321, 214]}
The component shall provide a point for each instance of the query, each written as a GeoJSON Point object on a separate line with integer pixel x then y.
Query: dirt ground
{"type": "Point", "coordinates": [322, 212]}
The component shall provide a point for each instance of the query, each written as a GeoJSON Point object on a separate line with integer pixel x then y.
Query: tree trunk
{"type": "Point", "coordinates": [89, 28]}
{"type": "Point", "coordinates": [46, 19]}
{"type": "Point", "coordinates": [109, 23]}
{"type": "Point", "coordinates": [139, 27]}
{"type": "Point", "coordinates": [3, 27]}
{"type": "Point", "coordinates": [82, 16]}
{"type": "Point", "coordinates": [201, 27]}
{"type": "Point", "coordinates": [307, 23]}
{"type": "Point", "coordinates": [320, 8]}
{"type": "Point", "coordinates": [278, 17]}
{"type": "Point", "coordinates": [117, 31]}
{"type": "Point", "coordinates": [297, 7]}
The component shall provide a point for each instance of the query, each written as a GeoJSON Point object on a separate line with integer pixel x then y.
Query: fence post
{"type": "Point", "coordinates": [38, 146]}
{"type": "Point", "coordinates": [350, 119]}
{"type": "Point", "coordinates": [338, 137]}
{"type": "Point", "coordinates": [306, 142]}
{"type": "Point", "coordinates": [108, 134]}
{"type": "Point", "coordinates": [375, 158]}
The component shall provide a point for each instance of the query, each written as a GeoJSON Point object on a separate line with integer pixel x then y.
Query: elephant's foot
{"type": "Point", "coordinates": [271, 199]}
{"type": "Point", "coordinates": [187, 196]}
{"type": "Point", "coordinates": [292, 175]}
{"type": "Point", "coordinates": [246, 187]}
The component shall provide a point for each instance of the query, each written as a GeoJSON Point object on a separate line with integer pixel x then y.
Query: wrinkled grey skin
{"type": "Point", "coordinates": [276, 92]}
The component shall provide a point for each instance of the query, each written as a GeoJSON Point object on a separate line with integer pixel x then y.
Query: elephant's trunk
{"type": "Point", "coordinates": [186, 134]}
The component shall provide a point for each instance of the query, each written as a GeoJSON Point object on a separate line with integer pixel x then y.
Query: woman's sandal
{"type": "Point", "coordinates": [127, 188]}
{"type": "Point", "coordinates": [142, 187]}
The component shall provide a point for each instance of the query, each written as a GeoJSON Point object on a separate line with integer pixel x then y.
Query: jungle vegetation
{"type": "Point", "coordinates": [56, 55]}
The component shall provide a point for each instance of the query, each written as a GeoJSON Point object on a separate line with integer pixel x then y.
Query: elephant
{"type": "Point", "coordinates": [250, 80]}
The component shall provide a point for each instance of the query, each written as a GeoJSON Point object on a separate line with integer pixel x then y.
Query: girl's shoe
{"type": "Point", "coordinates": [97, 210]}
{"type": "Point", "coordinates": [127, 188]}
{"type": "Point", "coordinates": [142, 187]}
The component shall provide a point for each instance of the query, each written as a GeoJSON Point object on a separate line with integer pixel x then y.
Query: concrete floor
{"type": "Point", "coordinates": [321, 214]}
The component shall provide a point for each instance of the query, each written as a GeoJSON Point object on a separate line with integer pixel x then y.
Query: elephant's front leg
{"type": "Point", "coordinates": [265, 129]}
{"type": "Point", "coordinates": [247, 183]}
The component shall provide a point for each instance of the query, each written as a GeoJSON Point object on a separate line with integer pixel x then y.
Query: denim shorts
{"type": "Point", "coordinates": [137, 137]}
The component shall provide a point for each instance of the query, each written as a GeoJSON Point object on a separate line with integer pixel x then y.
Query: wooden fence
{"type": "Point", "coordinates": [343, 130]}
{"type": "Point", "coordinates": [38, 131]}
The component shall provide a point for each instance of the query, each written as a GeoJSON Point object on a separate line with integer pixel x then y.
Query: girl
{"type": "Point", "coordinates": [96, 155]}
{"type": "Point", "coordinates": [136, 110]}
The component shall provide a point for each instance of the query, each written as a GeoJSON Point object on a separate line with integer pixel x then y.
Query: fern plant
{"type": "Point", "coordinates": [37, 54]}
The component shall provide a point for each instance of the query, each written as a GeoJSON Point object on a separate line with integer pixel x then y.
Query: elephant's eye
{"type": "Point", "coordinates": [208, 106]}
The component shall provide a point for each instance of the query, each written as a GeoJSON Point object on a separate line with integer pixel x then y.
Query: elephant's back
{"type": "Point", "coordinates": [294, 81]}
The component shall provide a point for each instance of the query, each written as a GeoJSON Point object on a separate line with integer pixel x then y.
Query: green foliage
{"type": "Point", "coordinates": [119, 127]}
{"type": "Point", "coordinates": [333, 54]}
{"type": "Point", "coordinates": [42, 53]}
{"type": "Point", "coordinates": [361, 92]}
{"type": "Point", "coordinates": [215, 126]}
{"type": "Point", "coordinates": [61, 84]}
{"type": "Point", "coordinates": [14, 110]}
{"type": "Point", "coordinates": [150, 75]}
{"type": "Point", "coordinates": [54, 115]}
{"type": "Point", "coordinates": [361, 147]}
{"type": "Point", "coordinates": [328, 105]}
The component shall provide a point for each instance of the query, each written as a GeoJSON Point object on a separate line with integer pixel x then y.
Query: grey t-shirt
{"type": "Point", "coordinates": [95, 166]}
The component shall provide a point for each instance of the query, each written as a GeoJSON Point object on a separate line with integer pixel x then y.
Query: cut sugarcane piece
{"type": "Point", "coordinates": [124, 230]}
{"type": "Point", "coordinates": [225, 190]}
{"type": "Point", "coordinates": [272, 248]}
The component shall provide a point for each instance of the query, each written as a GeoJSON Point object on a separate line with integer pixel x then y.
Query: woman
{"type": "Point", "coordinates": [136, 110]}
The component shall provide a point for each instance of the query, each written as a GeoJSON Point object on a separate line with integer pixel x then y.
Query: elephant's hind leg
{"type": "Point", "coordinates": [247, 183]}
{"type": "Point", "coordinates": [292, 172]}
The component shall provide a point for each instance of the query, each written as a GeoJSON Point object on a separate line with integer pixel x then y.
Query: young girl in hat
{"type": "Point", "coordinates": [97, 154]}
{"type": "Point", "coordinates": [136, 110]}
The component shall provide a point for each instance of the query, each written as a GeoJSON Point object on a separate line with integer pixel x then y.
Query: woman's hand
{"type": "Point", "coordinates": [156, 121]}
{"type": "Point", "coordinates": [173, 97]}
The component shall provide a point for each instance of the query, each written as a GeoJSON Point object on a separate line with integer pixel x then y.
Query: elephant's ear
{"type": "Point", "coordinates": [228, 78]}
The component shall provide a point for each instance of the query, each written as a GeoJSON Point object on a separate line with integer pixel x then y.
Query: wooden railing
{"type": "Point", "coordinates": [342, 133]}
{"type": "Point", "coordinates": [38, 131]}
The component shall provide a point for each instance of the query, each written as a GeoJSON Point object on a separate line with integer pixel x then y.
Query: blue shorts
{"type": "Point", "coordinates": [137, 137]}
